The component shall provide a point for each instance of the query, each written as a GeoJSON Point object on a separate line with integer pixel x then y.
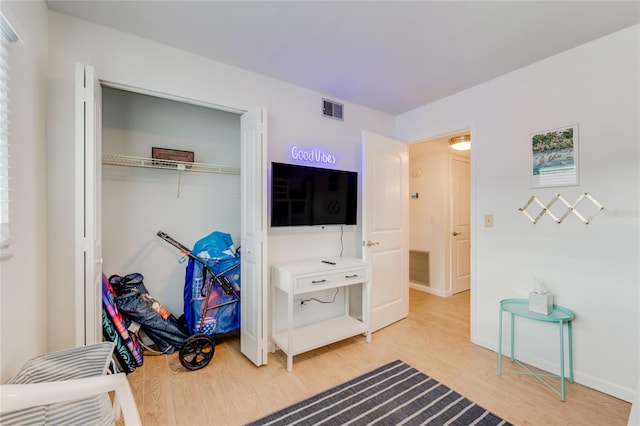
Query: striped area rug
{"type": "Point", "coordinates": [394, 394]}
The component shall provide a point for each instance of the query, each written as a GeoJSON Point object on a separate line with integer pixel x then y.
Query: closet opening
{"type": "Point", "coordinates": [141, 197]}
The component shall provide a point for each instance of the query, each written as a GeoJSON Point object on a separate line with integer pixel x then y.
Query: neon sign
{"type": "Point", "coordinates": [312, 155]}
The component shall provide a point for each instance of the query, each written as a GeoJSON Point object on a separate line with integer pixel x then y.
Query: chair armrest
{"type": "Point", "coordinates": [16, 397]}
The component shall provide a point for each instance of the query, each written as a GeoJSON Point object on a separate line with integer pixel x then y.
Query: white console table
{"type": "Point", "coordinates": [297, 278]}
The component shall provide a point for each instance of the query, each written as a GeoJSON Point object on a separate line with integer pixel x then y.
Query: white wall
{"type": "Point", "coordinates": [23, 277]}
{"type": "Point", "coordinates": [592, 269]}
{"type": "Point", "coordinates": [293, 118]}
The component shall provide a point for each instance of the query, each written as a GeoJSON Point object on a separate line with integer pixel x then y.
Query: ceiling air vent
{"type": "Point", "coordinates": [332, 109]}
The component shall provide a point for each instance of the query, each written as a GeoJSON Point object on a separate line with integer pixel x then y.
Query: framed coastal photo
{"type": "Point", "coordinates": [554, 157]}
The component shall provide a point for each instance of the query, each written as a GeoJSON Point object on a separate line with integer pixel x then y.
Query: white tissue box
{"type": "Point", "coordinates": [541, 303]}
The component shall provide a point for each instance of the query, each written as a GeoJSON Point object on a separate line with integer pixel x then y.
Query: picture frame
{"type": "Point", "coordinates": [172, 154]}
{"type": "Point", "coordinates": [554, 157]}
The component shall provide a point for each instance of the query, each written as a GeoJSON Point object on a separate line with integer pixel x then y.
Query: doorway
{"type": "Point", "coordinates": [440, 237]}
{"type": "Point", "coordinates": [137, 202]}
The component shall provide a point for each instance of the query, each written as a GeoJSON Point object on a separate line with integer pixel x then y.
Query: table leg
{"type": "Point", "coordinates": [561, 360]}
{"type": "Point", "coordinates": [500, 343]}
{"type": "Point", "coordinates": [290, 331]}
{"type": "Point", "coordinates": [570, 337]}
{"type": "Point", "coordinates": [274, 289]}
{"type": "Point", "coordinates": [366, 310]}
{"type": "Point", "coordinates": [513, 358]}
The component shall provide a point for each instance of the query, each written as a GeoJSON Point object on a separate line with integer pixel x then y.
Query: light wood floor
{"type": "Point", "coordinates": [434, 339]}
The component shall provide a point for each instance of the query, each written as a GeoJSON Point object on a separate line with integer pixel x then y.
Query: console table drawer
{"type": "Point", "coordinates": [330, 280]}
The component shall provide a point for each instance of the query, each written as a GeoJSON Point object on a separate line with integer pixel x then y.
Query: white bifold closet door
{"type": "Point", "coordinates": [88, 207]}
{"type": "Point", "coordinates": [253, 236]}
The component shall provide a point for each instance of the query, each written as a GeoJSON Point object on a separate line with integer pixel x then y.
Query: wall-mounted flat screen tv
{"type": "Point", "coordinates": [310, 196]}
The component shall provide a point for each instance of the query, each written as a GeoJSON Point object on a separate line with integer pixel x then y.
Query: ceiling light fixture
{"type": "Point", "coordinates": [460, 143]}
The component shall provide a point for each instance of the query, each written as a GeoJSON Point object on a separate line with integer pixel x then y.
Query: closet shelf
{"type": "Point", "coordinates": [152, 163]}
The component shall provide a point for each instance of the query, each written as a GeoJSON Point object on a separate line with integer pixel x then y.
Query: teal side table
{"type": "Point", "coordinates": [559, 315]}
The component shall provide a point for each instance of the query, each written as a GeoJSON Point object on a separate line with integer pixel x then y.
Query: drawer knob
{"type": "Point", "coordinates": [318, 281]}
{"type": "Point", "coordinates": [351, 276]}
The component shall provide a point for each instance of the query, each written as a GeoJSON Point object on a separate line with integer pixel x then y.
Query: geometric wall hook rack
{"type": "Point", "coordinates": [545, 208]}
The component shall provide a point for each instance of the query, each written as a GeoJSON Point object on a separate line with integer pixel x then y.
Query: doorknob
{"type": "Point", "coordinates": [371, 243]}
{"type": "Point", "coordinates": [455, 234]}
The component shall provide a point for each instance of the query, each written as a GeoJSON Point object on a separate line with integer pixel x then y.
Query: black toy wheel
{"type": "Point", "coordinates": [197, 351]}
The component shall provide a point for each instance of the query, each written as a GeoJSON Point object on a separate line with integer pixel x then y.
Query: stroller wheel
{"type": "Point", "coordinates": [197, 351]}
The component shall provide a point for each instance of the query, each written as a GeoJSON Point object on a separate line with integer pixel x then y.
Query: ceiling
{"type": "Point", "coordinates": [391, 56]}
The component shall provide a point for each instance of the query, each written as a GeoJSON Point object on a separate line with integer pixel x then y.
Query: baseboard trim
{"type": "Point", "coordinates": [424, 289]}
{"type": "Point", "coordinates": [625, 394]}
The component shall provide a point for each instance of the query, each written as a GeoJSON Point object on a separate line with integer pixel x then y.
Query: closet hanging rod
{"type": "Point", "coordinates": [154, 163]}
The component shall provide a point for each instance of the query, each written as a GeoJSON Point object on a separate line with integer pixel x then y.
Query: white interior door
{"type": "Point", "coordinates": [461, 228]}
{"type": "Point", "coordinates": [385, 220]}
{"type": "Point", "coordinates": [253, 190]}
{"type": "Point", "coordinates": [88, 198]}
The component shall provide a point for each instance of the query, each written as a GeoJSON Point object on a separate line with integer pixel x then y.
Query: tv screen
{"type": "Point", "coordinates": [309, 196]}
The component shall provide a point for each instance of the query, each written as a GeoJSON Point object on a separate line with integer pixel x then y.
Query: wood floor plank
{"type": "Point", "coordinates": [434, 338]}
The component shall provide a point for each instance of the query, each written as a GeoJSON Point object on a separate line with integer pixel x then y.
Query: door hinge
{"type": "Point", "coordinates": [85, 244]}
{"type": "Point", "coordinates": [83, 94]}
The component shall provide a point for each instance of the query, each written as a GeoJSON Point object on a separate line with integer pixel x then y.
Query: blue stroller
{"type": "Point", "coordinates": [211, 295]}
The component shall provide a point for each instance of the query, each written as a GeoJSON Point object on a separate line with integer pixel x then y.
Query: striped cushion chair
{"type": "Point", "coordinates": [68, 387]}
